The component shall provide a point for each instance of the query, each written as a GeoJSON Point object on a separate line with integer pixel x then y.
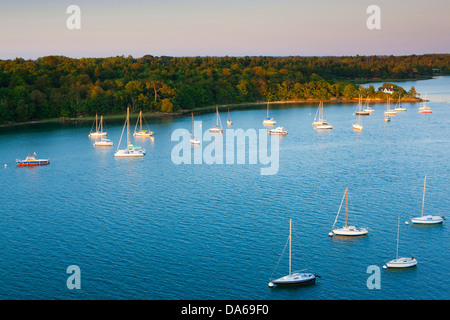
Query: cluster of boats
{"type": "Point", "coordinates": [320, 123]}
{"type": "Point", "coordinates": [296, 278]}
{"type": "Point", "coordinates": [130, 150]}
{"type": "Point", "coordinates": [217, 128]}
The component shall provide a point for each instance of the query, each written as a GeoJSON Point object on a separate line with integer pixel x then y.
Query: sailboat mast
{"type": "Point", "coordinates": [96, 123]}
{"type": "Point", "coordinates": [290, 242]}
{"type": "Point", "coordinates": [398, 235]}
{"type": "Point", "coordinates": [346, 205]}
{"type": "Point", "coordinates": [101, 124]}
{"type": "Point", "coordinates": [128, 127]}
{"type": "Point", "coordinates": [423, 198]}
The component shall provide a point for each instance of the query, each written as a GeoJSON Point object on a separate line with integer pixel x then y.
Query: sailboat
{"type": "Point", "coordinates": [141, 132]}
{"type": "Point", "coordinates": [360, 111]}
{"type": "Point", "coordinates": [388, 111]}
{"type": "Point", "coordinates": [358, 125]}
{"type": "Point", "coordinates": [321, 123]}
{"type": "Point", "coordinates": [424, 108]}
{"type": "Point", "coordinates": [130, 151]}
{"type": "Point", "coordinates": [103, 142]}
{"type": "Point", "coordinates": [216, 128]}
{"type": "Point", "coordinates": [269, 121]}
{"type": "Point", "coordinates": [194, 140]}
{"type": "Point", "coordinates": [398, 106]}
{"type": "Point", "coordinates": [400, 262]}
{"type": "Point", "coordinates": [346, 230]}
{"type": "Point", "coordinates": [428, 219]}
{"type": "Point", "coordinates": [367, 108]}
{"type": "Point", "coordinates": [293, 278]}
{"type": "Point", "coordinates": [229, 122]}
{"type": "Point", "coordinates": [97, 132]}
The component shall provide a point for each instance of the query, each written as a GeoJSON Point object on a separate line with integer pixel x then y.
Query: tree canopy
{"type": "Point", "coordinates": [58, 86]}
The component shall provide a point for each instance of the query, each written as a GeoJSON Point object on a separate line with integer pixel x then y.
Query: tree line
{"type": "Point", "coordinates": [58, 86]}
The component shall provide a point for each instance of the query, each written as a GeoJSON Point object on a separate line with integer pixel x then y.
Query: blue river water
{"type": "Point", "coordinates": [148, 228]}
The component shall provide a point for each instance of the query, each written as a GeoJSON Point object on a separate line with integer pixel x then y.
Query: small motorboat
{"type": "Point", "coordinates": [387, 118]}
{"type": "Point", "coordinates": [32, 161]}
{"type": "Point", "coordinates": [103, 143]}
{"type": "Point", "coordinates": [279, 131]}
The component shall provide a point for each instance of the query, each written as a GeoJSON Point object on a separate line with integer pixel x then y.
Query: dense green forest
{"type": "Point", "coordinates": [58, 86]}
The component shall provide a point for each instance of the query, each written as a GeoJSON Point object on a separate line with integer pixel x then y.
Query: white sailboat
{"type": "Point", "coordinates": [428, 219]}
{"type": "Point", "coordinates": [229, 122]}
{"type": "Point", "coordinates": [398, 106]}
{"type": "Point", "coordinates": [103, 142]}
{"type": "Point", "coordinates": [130, 151]}
{"type": "Point", "coordinates": [424, 108]}
{"type": "Point", "coordinates": [346, 230]}
{"type": "Point", "coordinates": [141, 132]}
{"type": "Point", "coordinates": [367, 108]}
{"type": "Point", "coordinates": [293, 278]}
{"type": "Point", "coordinates": [358, 126]}
{"type": "Point", "coordinates": [217, 128]}
{"type": "Point", "coordinates": [359, 109]}
{"type": "Point", "coordinates": [400, 262]}
{"type": "Point", "coordinates": [269, 121]}
{"type": "Point", "coordinates": [98, 128]}
{"type": "Point", "coordinates": [388, 111]}
{"type": "Point", "coordinates": [194, 140]}
{"type": "Point", "coordinates": [321, 123]}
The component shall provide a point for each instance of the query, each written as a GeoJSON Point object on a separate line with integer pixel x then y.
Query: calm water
{"type": "Point", "coordinates": [149, 229]}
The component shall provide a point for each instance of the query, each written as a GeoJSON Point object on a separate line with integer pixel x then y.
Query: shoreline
{"type": "Point", "coordinates": [201, 110]}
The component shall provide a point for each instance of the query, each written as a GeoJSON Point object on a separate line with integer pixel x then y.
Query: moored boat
{"type": "Point", "coordinates": [32, 161]}
{"type": "Point", "coordinates": [293, 278]}
{"type": "Point", "coordinates": [279, 131]}
{"type": "Point", "coordinates": [346, 230]}
{"type": "Point", "coordinates": [402, 262]}
{"type": "Point", "coordinates": [427, 219]}
{"type": "Point", "coordinates": [269, 121]}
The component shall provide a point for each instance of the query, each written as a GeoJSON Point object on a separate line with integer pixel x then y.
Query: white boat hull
{"type": "Point", "coordinates": [294, 279]}
{"type": "Point", "coordinates": [402, 263]}
{"type": "Point", "coordinates": [269, 122]}
{"type": "Point", "coordinates": [195, 141]}
{"type": "Point", "coordinates": [128, 154]}
{"type": "Point", "coordinates": [215, 130]}
{"type": "Point", "coordinates": [357, 127]}
{"type": "Point", "coordinates": [97, 134]}
{"type": "Point", "coordinates": [429, 219]}
{"type": "Point", "coordinates": [350, 231]}
{"type": "Point", "coordinates": [324, 127]}
{"type": "Point", "coordinates": [103, 144]}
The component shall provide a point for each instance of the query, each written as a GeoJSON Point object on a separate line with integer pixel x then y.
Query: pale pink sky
{"type": "Point", "coordinates": [31, 29]}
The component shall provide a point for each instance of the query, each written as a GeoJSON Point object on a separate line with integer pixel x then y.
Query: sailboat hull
{"type": "Point", "coordinates": [350, 231]}
{"type": "Point", "coordinates": [295, 279]}
{"type": "Point", "coordinates": [324, 127]}
{"type": "Point", "coordinates": [429, 219]}
{"type": "Point", "coordinates": [402, 263]}
{"type": "Point", "coordinates": [128, 154]}
{"type": "Point", "coordinates": [97, 134]}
